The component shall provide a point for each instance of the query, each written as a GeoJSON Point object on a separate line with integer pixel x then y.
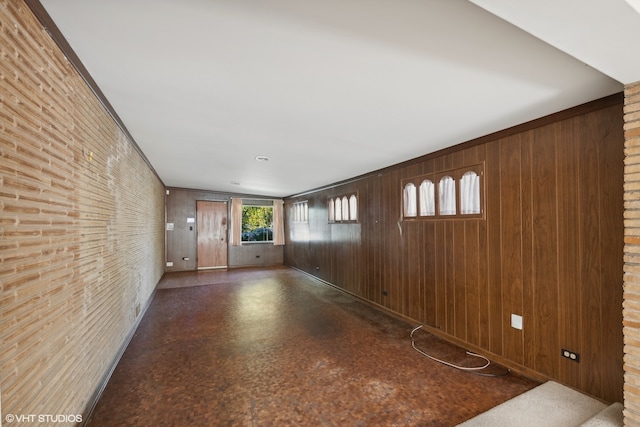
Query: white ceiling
{"type": "Point", "coordinates": [332, 89]}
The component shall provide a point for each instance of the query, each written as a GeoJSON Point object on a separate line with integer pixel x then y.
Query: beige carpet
{"type": "Point", "coordinates": [548, 405]}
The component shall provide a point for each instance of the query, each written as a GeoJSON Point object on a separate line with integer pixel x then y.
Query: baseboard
{"type": "Point", "coordinates": [97, 394]}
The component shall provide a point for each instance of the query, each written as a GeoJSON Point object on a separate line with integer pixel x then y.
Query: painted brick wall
{"type": "Point", "coordinates": [631, 305]}
{"type": "Point", "coordinates": [81, 228]}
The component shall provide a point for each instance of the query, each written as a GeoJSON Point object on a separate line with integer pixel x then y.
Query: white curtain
{"type": "Point", "coordinates": [470, 193]}
{"type": "Point", "coordinates": [409, 200]}
{"type": "Point", "coordinates": [353, 208]}
{"type": "Point", "coordinates": [447, 189]}
{"type": "Point", "coordinates": [332, 210]}
{"type": "Point", "coordinates": [427, 198]}
{"type": "Point", "coordinates": [278, 222]}
{"type": "Point", "coordinates": [235, 232]}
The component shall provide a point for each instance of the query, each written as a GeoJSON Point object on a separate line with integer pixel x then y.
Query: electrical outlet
{"type": "Point", "coordinates": [385, 293]}
{"type": "Point", "coordinates": [571, 355]}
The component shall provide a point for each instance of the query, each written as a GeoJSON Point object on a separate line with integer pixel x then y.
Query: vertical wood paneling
{"type": "Point", "coordinates": [494, 250]}
{"type": "Point", "coordinates": [429, 277]}
{"type": "Point", "coordinates": [472, 256]}
{"type": "Point", "coordinates": [458, 269]}
{"type": "Point", "coordinates": [511, 242]}
{"type": "Point", "coordinates": [590, 265]}
{"type": "Point", "coordinates": [528, 182]}
{"type": "Point", "coordinates": [545, 247]}
{"type": "Point", "coordinates": [611, 214]}
{"type": "Point", "coordinates": [528, 256]}
{"type": "Point", "coordinates": [568, 251]}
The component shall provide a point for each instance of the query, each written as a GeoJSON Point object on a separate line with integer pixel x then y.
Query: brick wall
{"type": "Point", "coordinates": [81, 228]}
{"type": "Point", "coordinates": [631, 305]}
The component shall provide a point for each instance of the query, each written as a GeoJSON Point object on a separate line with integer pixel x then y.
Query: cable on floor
{"type": "Point", "coordinates": [473, 370]}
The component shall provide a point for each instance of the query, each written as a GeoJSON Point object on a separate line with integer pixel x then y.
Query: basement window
{"type": "Point", "coordinates": [343, 209]}
{"type": "Point", "coordinates": [301, 211]}
{"type": "Point", "coordinates": [451, 194]}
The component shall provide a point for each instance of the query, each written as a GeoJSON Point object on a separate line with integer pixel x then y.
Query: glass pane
{"type": "Point", "coordinates": [331, 210]}
{"type": "Point", "coordinates": [427, 198]}
{"type": "Point", "coordinates": [338, 210]}
{"type": "Point", "coordinates": [353, 208]}
{"type": "Point", "coordinates": [345, 208]}
{"type": "Point", "coordinates": [447, 199]}
{"type": "Point", "coordinates": [257, 223]}
{"type": "Point", "coordinates": [409, 200]}
{"type": "Point", "coordinates": [470, 193]}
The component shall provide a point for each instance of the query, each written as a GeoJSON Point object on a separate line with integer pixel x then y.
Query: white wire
{"type": "Point", "coordinates": [462, 368]}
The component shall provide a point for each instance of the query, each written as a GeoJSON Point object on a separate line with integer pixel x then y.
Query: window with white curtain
{"type": "Point", "coordinates": [470, 193]}
{"type": "Point", "coordinates": [343, 208]}
{"type": "Point", "coordinates": [409, 200]}
{"type": "Point", "coordinates": [427, 199]}
{"type": "Point", "coordinates": [301, 211]}
{"type": "Point", "coordinates": [353, 208]}
{"type": "Point", "coordinates": [447, 195]}
{"type": "Point", "coordinates": [338, 216]}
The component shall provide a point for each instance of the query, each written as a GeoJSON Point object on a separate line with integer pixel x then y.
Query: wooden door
{"type": "Point", "coordinates": [211, 222]}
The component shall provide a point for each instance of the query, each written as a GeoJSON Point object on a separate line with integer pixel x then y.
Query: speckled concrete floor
{"type": "Point", "coordinates": [275, 347]}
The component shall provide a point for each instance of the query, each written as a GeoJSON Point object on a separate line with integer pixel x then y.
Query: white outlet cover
{"type": "Point", "coordinates": [516, 321]}
{"type": "Point", "coordinates": [169, 263]}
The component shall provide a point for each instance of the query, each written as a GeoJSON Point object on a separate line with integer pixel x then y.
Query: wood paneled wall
{"type": "Point", "coordinates": [549, 249]}
{"type": "Point", "coordinates": [81, 226]}
{"type": "Point", "coordinates": [181, 241]}
{"type": "Point", "coordinates": [632, 256]}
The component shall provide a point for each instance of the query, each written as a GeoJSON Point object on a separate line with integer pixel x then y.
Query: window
{"type": "Point", "coordinates": [353, 208]}
{"type": "Point", "coordinates": [447, 192]}
{"type": "Point", "coordinates": [409, 197]}
{"type": "Point", "coordinates": [470, 193]}
{"type": "Point", "coordinates": [257, 220]}
{"type": "Point", "coordinates": [343, 208]}
{"type": "Point", "coordinates": [427, 198]}
{"type": "Point", "coordinates": [453, 194]}
{"type": "Point", "coordinates": [301, 211]}
{"type": "Point", "coordinates": [332, 210]}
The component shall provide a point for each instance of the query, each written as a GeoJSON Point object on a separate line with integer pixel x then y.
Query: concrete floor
{"type": "Point", "coordinates": [275, 347]}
